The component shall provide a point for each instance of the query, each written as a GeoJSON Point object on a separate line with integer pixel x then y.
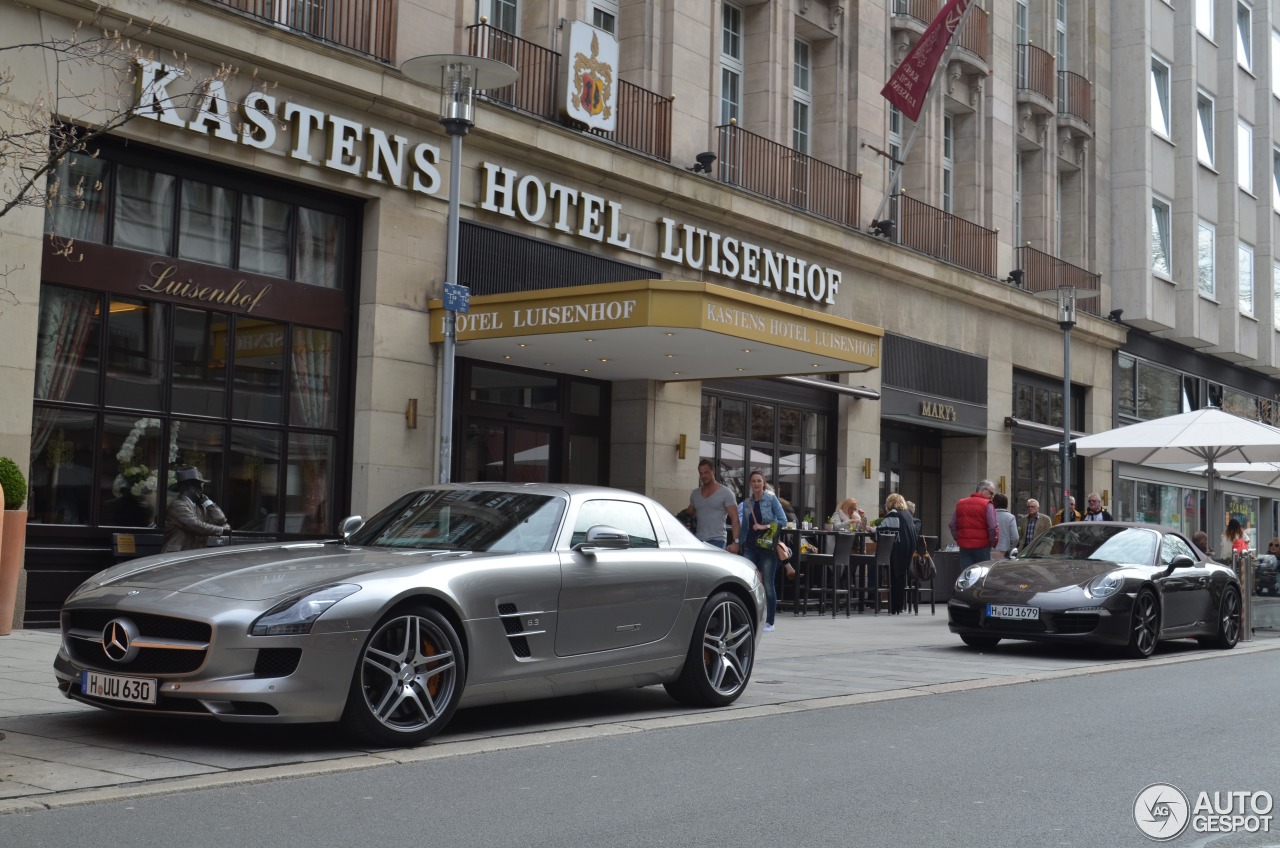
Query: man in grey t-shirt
{"type": "Point", "coordinates": [710, 503]}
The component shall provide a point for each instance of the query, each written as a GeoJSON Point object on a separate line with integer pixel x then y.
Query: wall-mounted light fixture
{"type": "Point", "coordinates": [682, 446]}
{"type": "Point", "coordinates": [1106, 495]}
{"type": "Point", "coordinates": [411, 414]}
{"type": "Point", "coordinates": [703, 163]}
{"type": "Point", "coordinates": [1001, 489]}
{"type": "Point", "coordinates": [866, 468]}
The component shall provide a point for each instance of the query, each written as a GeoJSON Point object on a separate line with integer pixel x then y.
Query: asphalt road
{"type": "Point", "coordinates": [1050, 763]}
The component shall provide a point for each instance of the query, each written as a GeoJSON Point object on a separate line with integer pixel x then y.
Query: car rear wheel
{"type": "Point", "coordinates": [1144, 625]}
{"type": "Point", "coordinates": [408, 679]}
{"type": "Point", "coordinates": [980, 642]}
{"type": "Point", "coordinates": [1228, 634]}
{"type": "Point", "coordinates": [721, 654]}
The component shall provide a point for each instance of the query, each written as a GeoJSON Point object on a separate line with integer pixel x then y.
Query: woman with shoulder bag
{"type": "Point", "coordinates": [759, 515]}
{"type": "Point", "coordinates": [899, 519]}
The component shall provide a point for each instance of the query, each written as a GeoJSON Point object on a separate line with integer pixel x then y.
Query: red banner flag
{"type": "Point", "coordinates": [909, 83]}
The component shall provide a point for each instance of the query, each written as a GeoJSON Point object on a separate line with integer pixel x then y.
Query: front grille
{"type": "Point", "coordinates": [1007, 625]}
{"type": "Point", "coordinates": [1075, 622]}
{"type": "Point", "coordinates": [156, 626]}
{"type": "Point", "coordinates": [963, 616]}
{"type": "Point", "coordinates": [277, 662]}
{"type": "Point", "coordinates": [149, 660]}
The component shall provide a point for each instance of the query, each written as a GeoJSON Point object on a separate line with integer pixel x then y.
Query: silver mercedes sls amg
{"type": "Point", "coordinates": [454, 595]}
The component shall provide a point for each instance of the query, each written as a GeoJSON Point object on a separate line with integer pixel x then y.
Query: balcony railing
{"type": "Point", "coordinates": [1035, 71]}
{"type": "Point", "coordinates": [1075, 97]}
{"type": "Point", "coordinates": [923, 11]}
{"type": "Point", "coordinates": [1042, 272]}
{"type": "Point", "coordinates": [366, 26]}
{"type": "Point", "coordinates": [643, 116]}
{"type": "Point", "coordinates": [973, 35]}
{"type": "Point", "coordinates": [942, 235]}
{"type": "Point", "coordinates": [776, 171]}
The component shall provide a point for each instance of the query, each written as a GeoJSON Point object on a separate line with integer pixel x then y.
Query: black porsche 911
{"type": "Point", "coordinates": [1105, 582]}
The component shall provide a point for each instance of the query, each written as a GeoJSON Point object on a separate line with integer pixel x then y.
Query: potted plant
{"type": "Point", "coordinates": [808, 522]}
{"type": "Point", "coordinates": [13, 539]}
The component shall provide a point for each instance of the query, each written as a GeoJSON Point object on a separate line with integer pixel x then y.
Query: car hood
{"type": "Point", "coordinates": [1045, 575]}
{"type": "Point", "coordinates": [255, 573]}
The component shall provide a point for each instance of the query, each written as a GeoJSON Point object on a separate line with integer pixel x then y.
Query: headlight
{"type": "Point", "coordinates": [1105, 586]}
{"type": "Point", "coordinates": [296, 615]}
{"type": "Point", "coordinates": [971, 575]}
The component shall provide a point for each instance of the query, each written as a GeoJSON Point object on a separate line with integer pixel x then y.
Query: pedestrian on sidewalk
{"type": "Point", "coordinates": [710, 504]}
{"type": "Point", "coordinates": [757, 511]}
{"type": "Point", "coordinates": [973, 525]}
{"type": "Point", "coordinates": [1007, 525]}
{"type": "Point", "coordinates": [898, 519]}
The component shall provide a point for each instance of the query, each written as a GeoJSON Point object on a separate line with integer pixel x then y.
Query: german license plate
{"type": "Point", "coordinates": [1011, 611]}
{"type": "Point", "coordinates": [135, 690]}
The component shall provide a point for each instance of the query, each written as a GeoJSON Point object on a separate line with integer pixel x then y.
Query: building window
{"type": "Point", "coordinates": [1244, 155]}
{"type": "Point", "coordinates": [1060, 28]}
{"type": "Point", "coordinates": [502, 14]}
{"type": "Point", "coordinates": [604, 15]}
{"type": "Point", "coordinates": [1275, 295]}
{"type": "Point", "coordinates": [1204, 259]}
{"type": "Point", "coordinates": [896, 120]}
{"type": "Point", "coordinates": [731, 64]}
{"type": "Point", "coordinates": [1275, 62]}
{"type": "Point", "coordinates": [1159, 96]}
{"type": "Point", "coordinates": [1204, 125]}
{"type": "Point", "coordinates": [1246, 279]}
{"type": "Point", "coordinates": [801, 96]}
{"type": "Point", "coordinates": [1275, 174]}
{"type": "Point", "coordinates": [948, 161]}
{"type": "Point", "coordinates": [1160, 237]}
{"type": "Point", "coordinates": [1204, 17]}
{"type": "Point", "coordinates": [1017, 199]}
{"type": "Point", "coordinates": [1021, 25]}
{"type": "Point", "coordinates": [1244, 35]}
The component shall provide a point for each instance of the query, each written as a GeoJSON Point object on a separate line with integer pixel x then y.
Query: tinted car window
{"type": "Point", "coordinates": [631, 518]}
{"type": "Point", "coordinates": [465, 520]}
{"type": "Point", "coordinates": [1172, 547]}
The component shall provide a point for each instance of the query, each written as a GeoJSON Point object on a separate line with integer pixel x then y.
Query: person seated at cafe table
{"type": "Point", "coordinates": [848, 517]}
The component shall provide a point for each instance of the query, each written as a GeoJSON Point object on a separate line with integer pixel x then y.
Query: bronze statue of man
{"type": "Point", "coordinates": [192, 516]}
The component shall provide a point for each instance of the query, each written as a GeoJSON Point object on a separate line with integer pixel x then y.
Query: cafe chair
{"type": "Point", "coordinates": [841, 574]}
{"type": "Point", "coordinates": [884, 555]}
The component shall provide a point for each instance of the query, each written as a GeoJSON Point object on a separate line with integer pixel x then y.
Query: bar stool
{"type": "Point", "coordinates": [884, 558]}
{"type": "Point", "coordinates": [841, 573]}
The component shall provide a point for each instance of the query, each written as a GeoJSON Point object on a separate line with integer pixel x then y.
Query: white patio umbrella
{"type": "Point", "coordinates": [1209, 435]}
{"type": "Point", "coordinates": [1262, 473]}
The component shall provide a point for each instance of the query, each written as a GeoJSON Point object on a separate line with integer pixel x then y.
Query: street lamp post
{"type": "Point", "coordinates": [1066, 298]}
{"type": "Point", "coordinates": [459, 77]}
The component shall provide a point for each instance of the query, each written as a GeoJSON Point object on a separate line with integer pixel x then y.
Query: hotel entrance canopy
{"type": "Point", "coordinates": [659, 330]}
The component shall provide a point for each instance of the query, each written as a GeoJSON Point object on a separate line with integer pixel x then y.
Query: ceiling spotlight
{"type": "Point", "coordinates": [1015, 277]}
{"type": "Point", "coordinates": [1115, 314]}
{"type": "Point", "coordinates": [704, 163]}
{"type": "Point", "coordinates": [883, 229]}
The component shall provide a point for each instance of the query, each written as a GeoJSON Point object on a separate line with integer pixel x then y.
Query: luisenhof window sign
{"type": "Point", "coordinates": [240, 296]}
{"type": "Point", "coordinates": [590, 216]}
{"type": "Point", "coordinates": [349, 146]}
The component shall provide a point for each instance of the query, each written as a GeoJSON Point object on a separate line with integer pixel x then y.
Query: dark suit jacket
{"type": "Point", "coordinates": [1043, 523]}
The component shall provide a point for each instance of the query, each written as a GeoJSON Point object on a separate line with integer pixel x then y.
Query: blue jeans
{"type": "Point", "coordinates": [973, 556]}
{"type": "Point", "coordinates": [766, 562]}
{"type": "Point", "coordinates": [719, 543]}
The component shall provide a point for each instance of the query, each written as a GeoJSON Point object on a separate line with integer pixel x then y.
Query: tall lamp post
{"type": "Point", "coordinates": [459, 77]}
{"type": "Point", "coordinates": [1066, 298]}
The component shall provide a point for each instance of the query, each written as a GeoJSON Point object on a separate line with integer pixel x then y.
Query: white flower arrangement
{"type": "Point", "coordinates": [135, 478]}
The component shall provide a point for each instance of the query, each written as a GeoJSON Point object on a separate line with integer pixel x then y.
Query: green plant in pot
{"type": "Point", "coordinates": [13, 540]}
{"type": "Point", "coordinates": [14, 484]}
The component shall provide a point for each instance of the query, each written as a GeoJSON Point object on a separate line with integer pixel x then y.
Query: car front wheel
{"type": "Point", "coordinates": [1228, 634]}
{"type": "Point", "coordinates": [721, 654]}
{"type": "Point", "coordinates": [1144, 625]}
{"type": "Point", "coordinates": [408, 679]}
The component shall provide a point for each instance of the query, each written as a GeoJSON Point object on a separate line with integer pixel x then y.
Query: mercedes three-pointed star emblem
{"type": "Point", "coordinates": [119, 640]}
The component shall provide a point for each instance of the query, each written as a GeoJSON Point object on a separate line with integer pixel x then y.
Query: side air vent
{"type": "Point", "coordinates": [520, 625]}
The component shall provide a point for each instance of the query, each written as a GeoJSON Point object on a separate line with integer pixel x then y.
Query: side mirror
{"type": "Point", "coordinates": [1181, 561]}
{"type": "Point", "coordinates": [1013, 553]}
{"type": "Point", "coordinates": [603, 537]}
{"type": "Point", "coordinates": [350, 525]}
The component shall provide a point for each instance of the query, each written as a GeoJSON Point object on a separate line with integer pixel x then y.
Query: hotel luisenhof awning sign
{"type": "Point", "coordinates": [664, 304]}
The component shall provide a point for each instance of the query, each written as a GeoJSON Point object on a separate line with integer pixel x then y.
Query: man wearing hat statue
{"type": "Point", "coordinates": [192, 517]}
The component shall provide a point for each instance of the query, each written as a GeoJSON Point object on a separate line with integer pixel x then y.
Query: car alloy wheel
{"type": "Point", "coordinates": [1144, 627]}
{"type": "Point", "coordinates": [721, 654]}
{"type": "Point", "coordinates": [408, 679]}
{"type": "Point", "coordinates": [1228, 634]}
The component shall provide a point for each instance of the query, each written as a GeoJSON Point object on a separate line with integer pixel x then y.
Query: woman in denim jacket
{"type": "Point", "coordinates": [755, 513]}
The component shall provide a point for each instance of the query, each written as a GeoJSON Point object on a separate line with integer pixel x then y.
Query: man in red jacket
{"type": "Point", "coordinates": [974, 526]}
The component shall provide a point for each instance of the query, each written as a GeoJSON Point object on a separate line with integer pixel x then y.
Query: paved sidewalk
{"type": "Point", "coordinates": [56, 752]}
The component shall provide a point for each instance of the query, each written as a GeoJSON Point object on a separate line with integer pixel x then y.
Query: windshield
{"type": "Point", "coordinates": [465, 520]}
{"type": "Point", "coordinates": [1094, 541]}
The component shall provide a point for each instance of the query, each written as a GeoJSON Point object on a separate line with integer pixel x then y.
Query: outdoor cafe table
{"type": "Point", "coordinates": [809, 565]}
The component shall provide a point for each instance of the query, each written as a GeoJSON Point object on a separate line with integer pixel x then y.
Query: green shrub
{"type": "Point", "coordinates": [15, 485]}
